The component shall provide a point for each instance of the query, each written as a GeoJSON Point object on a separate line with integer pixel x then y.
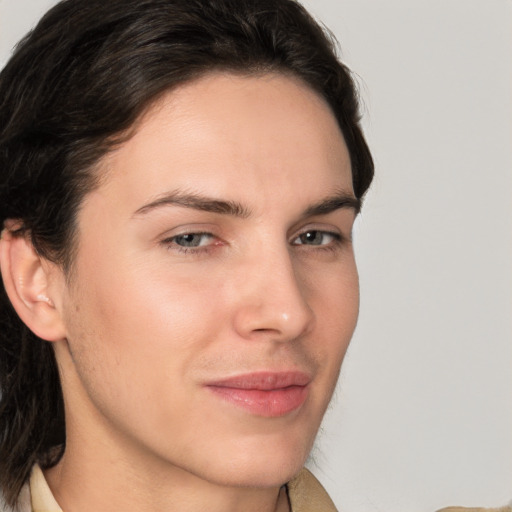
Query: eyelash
{"type": "Point", "coordinates": [170, 243]}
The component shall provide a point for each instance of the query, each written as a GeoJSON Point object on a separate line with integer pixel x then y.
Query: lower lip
{"type": "Point", "coordinates": [268, 403]}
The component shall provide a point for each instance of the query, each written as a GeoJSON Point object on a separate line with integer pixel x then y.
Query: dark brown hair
{"type": "Point", "coordinates": [75, 83]}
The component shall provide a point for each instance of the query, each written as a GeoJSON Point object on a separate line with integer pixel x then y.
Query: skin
{"type": "Point", "coordinates": [145, 322]}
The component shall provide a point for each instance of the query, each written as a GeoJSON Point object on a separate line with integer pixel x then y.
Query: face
{"type": "Point", "coordinates": [214, 291]}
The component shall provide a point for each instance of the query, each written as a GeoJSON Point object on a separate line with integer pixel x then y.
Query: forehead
{"type": "Point", "coordinates": [226, 134]}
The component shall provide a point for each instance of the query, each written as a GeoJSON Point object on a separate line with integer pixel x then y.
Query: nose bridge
{"type": "Point", "coordinates": [275, 299]}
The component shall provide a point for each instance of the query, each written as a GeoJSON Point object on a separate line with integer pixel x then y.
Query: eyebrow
{"type": "Point", "coordinates": [236, 209]}
{"type": "Point", "coordinates": [333, 203]}
{"type": "Point", "coordinates": [196, 202]}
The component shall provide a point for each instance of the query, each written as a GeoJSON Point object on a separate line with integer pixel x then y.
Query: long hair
{"type": "Point", "coordinates": [69, 94]}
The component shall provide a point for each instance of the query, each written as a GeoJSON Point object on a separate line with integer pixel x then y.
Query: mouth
{"type": "Point", "coordinates": [267, 394]}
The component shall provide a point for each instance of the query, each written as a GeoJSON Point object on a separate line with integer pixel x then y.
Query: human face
{"type": "Point", "coordinates": [214, 290]}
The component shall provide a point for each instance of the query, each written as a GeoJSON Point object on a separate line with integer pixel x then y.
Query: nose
{"type": "Point", "coordinates": [272, 299]}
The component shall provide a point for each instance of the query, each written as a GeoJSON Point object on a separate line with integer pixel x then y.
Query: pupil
{"type": "Point", "coordinates": [312, 237]}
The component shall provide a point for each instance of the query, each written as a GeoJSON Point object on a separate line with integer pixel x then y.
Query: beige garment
{"type": "Point", "coordinates": [41, 496]}
{"type": "Point", "coordinates": [306, 494]}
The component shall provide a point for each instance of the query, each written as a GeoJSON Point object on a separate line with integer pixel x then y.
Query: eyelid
{"type": "Point", "coordinates": [338, 221]}
{"type": "Point", "coordinates": [333, 228]}
{"type": "Point", "coordinates": [189, 228]}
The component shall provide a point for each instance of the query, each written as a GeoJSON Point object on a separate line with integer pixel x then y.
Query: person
{"type": "Point", "coordinates": [179, 180]}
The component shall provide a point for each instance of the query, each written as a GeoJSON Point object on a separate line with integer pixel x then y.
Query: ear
{"type": "Point", "coordinates": [29, 281]}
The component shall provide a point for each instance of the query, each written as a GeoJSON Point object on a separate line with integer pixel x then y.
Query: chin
{"type": "Point", "coordinates": [270, 476]}
{"type": "Point", "coordinates": [267, 463]}
{"type": "Point", "coordinates": [277, 475]}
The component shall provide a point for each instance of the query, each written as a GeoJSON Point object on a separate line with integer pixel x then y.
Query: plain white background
{"type": "Point", "coordinates": [422, 417]}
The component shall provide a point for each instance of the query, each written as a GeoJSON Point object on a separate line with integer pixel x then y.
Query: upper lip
{"type": "Point", "coordinates": [264, 381]}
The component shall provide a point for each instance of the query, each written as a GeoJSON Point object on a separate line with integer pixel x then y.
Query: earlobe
{"type": "Point", "coordinates": [27, 278]}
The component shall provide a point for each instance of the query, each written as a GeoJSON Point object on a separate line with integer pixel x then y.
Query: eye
{"type": "Point", "coordinates": [317, 237]}
{"type": "Point", "coordinates": [191, 239]}
{"type": "Point", "coordinates": [191, 242]}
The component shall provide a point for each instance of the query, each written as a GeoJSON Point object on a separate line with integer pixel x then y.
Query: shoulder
{"type": "Point", "coordinates": [23, 502]}
{"type": "Point", "coordinates": [306, 494]}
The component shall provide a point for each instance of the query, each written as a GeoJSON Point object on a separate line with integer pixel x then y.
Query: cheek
{"type": "Point", "coordinates": [133, 339]}
{"type": "Point", "coordinates": [335, 302]}
{"type": "Point", "coordinates": [334, 293]}
{"type": "Point", "coordinates": [141, 303]}
{"type": "Point", "coordinates": [141, 327]}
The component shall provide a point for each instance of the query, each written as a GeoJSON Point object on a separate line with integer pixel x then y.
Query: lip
{"type": "Point", "coordinates": [267, 394]}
